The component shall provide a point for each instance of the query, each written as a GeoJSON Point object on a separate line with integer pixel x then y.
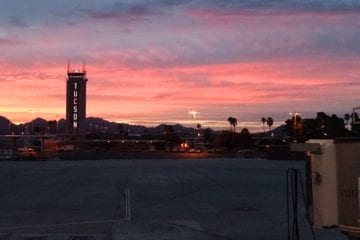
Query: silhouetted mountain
{"type": "Point", "coordinates": [40, 124]}
{"type": "Point", "coordinates": [101, 126]}
{"type": "Point", "coordinates": [182, 131]}
{"type": "Point", "coordinates": [278, 132]}
{"type": "Point", "coordinates": [95, 127]}
{"type": "Point", "coordinates": [5, 125]}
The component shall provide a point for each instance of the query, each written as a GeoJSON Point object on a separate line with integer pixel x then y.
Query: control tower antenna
{"type": "Point", "coordinates": [83, 66]}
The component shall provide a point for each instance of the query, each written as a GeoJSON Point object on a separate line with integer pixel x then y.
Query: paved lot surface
{"type": "Point", "coordinates": [168, 199]}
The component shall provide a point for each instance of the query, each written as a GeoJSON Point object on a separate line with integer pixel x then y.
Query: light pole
{"type": "Point", "coordinates": [32, 111]}
{"type": "Point", "coordinates": [32, 123]}
{"type": "Point", "coordinates": [295, 124]}
{"type": "Point", "coordinates": [57, 125]}
{"type": "Point", "coordinates": [194, 113]}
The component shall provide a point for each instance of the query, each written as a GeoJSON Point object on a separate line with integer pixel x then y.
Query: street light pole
{"type": "Point", "coordinates": [57, 125]}
{"type": "Point", "coordinates": [295, 125]}
{"type": "Point", "coordinates": [194, 113]}
{"type": "Point", "coordinates": [32, 111]}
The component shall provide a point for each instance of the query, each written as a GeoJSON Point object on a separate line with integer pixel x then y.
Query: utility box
{"type": "Point", "coordinates": [348, 171]}
{"type": "Point", "coordinates": [324, 183]}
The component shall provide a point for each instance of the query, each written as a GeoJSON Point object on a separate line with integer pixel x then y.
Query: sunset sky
{"type": "Point", "coordinates": [152, 61]}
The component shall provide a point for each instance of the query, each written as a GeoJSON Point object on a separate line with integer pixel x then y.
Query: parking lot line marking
{"type": "Point", "coordinates": [127, 205]}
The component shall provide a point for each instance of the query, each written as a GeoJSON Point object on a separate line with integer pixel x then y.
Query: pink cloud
{"type": "Point", "coordinates": [9, 42]}
{"type": "Point", "coordinates": [152, 78]}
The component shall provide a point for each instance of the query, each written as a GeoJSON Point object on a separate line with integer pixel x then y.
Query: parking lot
{"type": "Point", "coordinates": [148, 199]}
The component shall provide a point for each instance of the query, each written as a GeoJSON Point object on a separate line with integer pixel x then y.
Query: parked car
{"type": "Point", "coordinates": [66, 148]}
{"type": "Point", "coordinates": [245, 153]}
{"type": "Point", "coordinates": [26, 152]}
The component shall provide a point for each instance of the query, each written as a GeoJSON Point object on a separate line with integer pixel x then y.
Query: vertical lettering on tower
{"type": "Point", "coordinates": [75, 104]}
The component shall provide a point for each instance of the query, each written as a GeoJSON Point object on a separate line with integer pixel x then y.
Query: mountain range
{"type": "Point", "coordinates": [98, 128]}
{"type": "Point", "coordinates": [94, 126]}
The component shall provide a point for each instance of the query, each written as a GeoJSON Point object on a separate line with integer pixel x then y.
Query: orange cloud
{"type": "Point", "coordinates": [155, 91]}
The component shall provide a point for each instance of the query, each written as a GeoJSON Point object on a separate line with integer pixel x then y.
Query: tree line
{"type": "Point", "coordinates": [323, 126]}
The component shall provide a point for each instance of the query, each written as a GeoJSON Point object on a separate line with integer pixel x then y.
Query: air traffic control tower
{"type": "Point", "coordinates": [76, 101]}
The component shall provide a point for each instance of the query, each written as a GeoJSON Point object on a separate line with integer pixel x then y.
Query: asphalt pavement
{"type": "Point", "coordinates": [148, 199]}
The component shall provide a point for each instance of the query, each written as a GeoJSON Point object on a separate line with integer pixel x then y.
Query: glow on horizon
{"type": "Point", "coordinates": [252, 126]}
{"type": "Point", "coordinates": [154, 62]}
{"type": "Point", "coordinates": [161, 97]}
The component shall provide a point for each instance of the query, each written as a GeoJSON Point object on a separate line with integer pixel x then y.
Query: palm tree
{"type": "Point", "coordinates": [270, 122]}
{"type": "Point", "coordinates": [233, 122]}
{"type": "Point", "coordinates": [263, 120]}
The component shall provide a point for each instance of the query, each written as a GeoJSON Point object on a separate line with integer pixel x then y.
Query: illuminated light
{"type": "Point", "coordinates": [295, 123]}
{"type": "Point", "coordinates": [75, 116]}
{"type": "Point", "coordinates": [193, 113]}
{"type": "Point", "coordinates": [291, 113]}
{"type": "Point", "coordinates": [75, 107]}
